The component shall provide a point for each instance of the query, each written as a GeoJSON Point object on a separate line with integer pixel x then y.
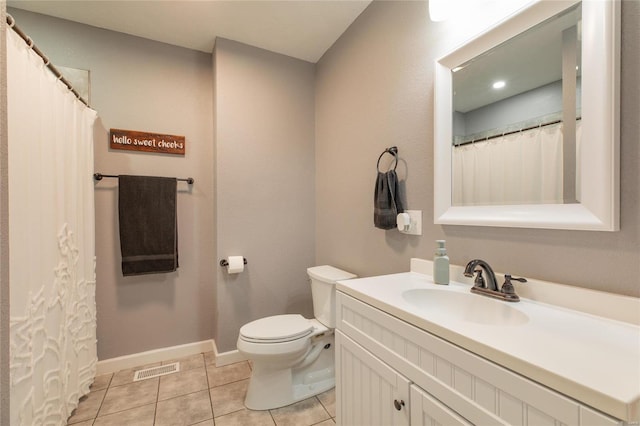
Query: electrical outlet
{"type": "Point", "coordinates": [416, 222]}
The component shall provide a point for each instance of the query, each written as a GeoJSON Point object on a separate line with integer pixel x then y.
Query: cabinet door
{"type": "Point", "coordinates": [368, 391]}
{"type": "Point", "coordinates": [428, 411]}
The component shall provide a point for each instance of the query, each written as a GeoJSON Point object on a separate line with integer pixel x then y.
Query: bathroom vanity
{"type": "Point", "coordinates": [413, 352]}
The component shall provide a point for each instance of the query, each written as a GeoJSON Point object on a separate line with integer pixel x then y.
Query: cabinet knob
{"type": "Point", "coordinates": [398, 404]}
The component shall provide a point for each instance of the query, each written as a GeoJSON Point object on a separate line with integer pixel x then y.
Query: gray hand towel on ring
{"type": "Point", "coordinates": [387, 203]}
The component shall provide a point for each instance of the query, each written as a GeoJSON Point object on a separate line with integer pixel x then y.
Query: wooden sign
{"type": "Point", "coordinates": [147, 142]}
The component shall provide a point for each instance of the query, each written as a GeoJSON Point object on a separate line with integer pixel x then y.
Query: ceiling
{"type": "Point", "coordinates": [303, 29]}
{"type": "Point", "coordinates": [526, 62]}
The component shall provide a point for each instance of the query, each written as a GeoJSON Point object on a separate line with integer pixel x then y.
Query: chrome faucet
{"type": "Point", "coordinates": [490, 286]}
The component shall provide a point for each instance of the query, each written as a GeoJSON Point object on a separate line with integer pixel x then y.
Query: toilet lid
{"type": "Point", "coordinates": [279, 328]}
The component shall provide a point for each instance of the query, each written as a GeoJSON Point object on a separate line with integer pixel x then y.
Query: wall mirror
{"type": "Point", "coordinates": [526, 121]}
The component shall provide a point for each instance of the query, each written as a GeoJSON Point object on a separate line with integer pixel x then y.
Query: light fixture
{"type": "Point", "coordinates": [440, 10]}
{"type": "Point", "coordinates": [499, 84]}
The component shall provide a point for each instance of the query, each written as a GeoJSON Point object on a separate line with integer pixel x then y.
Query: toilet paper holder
{"type": "Point", "coordinates": [224, 262]}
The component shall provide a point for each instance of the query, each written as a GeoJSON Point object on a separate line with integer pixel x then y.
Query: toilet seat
{"type": "Point", "coordinates": [277, 329]}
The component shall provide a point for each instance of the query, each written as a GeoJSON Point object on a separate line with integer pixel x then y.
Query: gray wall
{"type": "Point", "coordinates": [371, 93]}
{"type": "Point", "coordinates": [375, 89]}
{"type": "Point", "coordinates": [4, 228]}
{"type": "Point", "coordinates": [264, 184]}
{"type": "Point", "coordinates": [142, 85]}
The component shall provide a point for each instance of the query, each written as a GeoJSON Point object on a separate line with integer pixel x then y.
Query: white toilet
{"type": "Point", "coordinates": [293, 357]}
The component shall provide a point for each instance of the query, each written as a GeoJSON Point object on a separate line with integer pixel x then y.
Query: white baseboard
{"type": "Point", "coordinates": [163, 354]}
{"type": "Point", "coordinates": [226, 358]}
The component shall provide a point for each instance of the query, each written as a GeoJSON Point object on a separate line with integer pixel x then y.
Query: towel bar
{"type": "Point", "coordinates": [99, 176]}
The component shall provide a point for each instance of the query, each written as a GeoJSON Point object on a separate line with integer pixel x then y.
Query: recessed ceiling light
{"type": "Point", "coordinates": [499, 84]}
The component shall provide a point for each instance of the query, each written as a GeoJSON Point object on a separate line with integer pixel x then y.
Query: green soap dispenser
{"type": "Point", "coordinates": [441, 264]}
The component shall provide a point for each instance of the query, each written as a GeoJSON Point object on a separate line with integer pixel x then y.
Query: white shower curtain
{"type": "Point", "coordinates": [521, 168]}
{"type": "Point", "coordinates": [51, 242]}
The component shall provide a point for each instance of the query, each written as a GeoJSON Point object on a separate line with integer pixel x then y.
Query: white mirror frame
{"type": "Point", "coordinates": [599, 155]}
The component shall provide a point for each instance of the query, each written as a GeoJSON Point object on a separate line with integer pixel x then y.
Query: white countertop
{"type": "Point", "coordinates": [592, 359]}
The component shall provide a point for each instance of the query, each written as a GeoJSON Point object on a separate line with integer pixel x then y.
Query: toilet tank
{"type": "Point", "coordinates": [323, 291]}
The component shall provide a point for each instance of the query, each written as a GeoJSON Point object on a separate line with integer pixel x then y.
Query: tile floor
{"type": "Point", "coordinates": [200, 394]}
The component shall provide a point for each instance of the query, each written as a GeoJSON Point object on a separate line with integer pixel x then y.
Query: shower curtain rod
{"type": "Point", "coordinates": [99, 176]}
{"type": "Point", "coordinates": [499, 135]}
{"type": "Point", "coordinates": [11, 22]}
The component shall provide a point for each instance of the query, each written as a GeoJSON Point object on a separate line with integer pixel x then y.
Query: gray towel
{"type": "Point", "coordinates": [386, 199]}
{"type": "Point", "coordinates": [148, 224]}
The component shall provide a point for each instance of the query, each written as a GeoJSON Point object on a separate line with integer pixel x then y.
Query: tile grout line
{"type": "Point", "coordinates": [103, 398]}
{"type": "Point", "coordinates": [273, 419]}
{"type": "Point", "coordinates": [155, 409]}
{"type": "Point", "coordinates": [93, 420]}
{"type": "Point", "coordinates": [206, 373]}
{"type": "Point", "coordinates": [155, 412]}
{"type": "Point", "coordinates": [119, 411]}
{"type": "Point", "coordinates": [323, 406]}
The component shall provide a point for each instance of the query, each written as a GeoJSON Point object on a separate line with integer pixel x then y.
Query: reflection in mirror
{"type": "Point", "coordinates": [587, 200]}
{"type": "Point", "coordinates": [516, 118]}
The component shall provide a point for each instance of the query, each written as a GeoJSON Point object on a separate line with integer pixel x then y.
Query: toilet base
{"type": "Point", "coordinates": [273, 388]}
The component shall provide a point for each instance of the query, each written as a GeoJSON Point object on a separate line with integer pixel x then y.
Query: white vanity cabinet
{"type": "Point", "coordinates": [372, 393]}
{"type": "Point", "coordinates": [375, 394]}
{"type": "Point", "coordinates": [384, 363]}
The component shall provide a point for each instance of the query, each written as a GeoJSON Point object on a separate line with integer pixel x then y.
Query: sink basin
{"type": "Point", "coordinates": [465, 307]}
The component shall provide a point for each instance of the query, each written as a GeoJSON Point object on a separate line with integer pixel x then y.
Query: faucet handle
{"type": "Point", "coordinates": [507, 287]}
{"type": "Point", "coordinates": [479, 280]}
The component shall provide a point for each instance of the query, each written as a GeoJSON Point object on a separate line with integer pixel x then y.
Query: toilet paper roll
{"type": "Point", "coordinates": [236, 264]}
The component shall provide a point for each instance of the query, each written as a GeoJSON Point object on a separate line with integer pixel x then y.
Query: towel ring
{"type": "Point", "coordinates": [393, 151]}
